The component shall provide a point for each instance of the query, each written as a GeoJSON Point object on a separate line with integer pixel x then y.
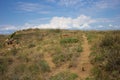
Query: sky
{"type": "Point", "coordinates": [59, 14]}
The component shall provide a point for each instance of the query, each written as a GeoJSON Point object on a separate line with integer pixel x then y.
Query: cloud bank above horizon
{"type": "Point", "coordinates": [81, 22]}
{"type": "Point", "coordinates": [59, 14]}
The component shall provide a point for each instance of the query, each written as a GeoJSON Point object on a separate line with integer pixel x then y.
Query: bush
{"type": "Point", "coordinates": [12, 35]}
{"type": "Point", "coordinates": [44, 66]}
{"type": "Point", "coordinates": [61, 57]}
{"type": "Point", "coordinates": [69, 40]}
{"type": "Point", "coordinates": [64, 76]}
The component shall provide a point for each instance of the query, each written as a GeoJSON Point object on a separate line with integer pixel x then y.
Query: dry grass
{"type": "Point", "coordinates": [105, 54]}
{"type": "Point", "coordinates": [46, 54]}
{"type": "Point", "coordinates": [25, 58]}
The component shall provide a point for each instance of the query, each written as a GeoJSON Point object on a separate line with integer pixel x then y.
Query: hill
{"type": "Point", "coordinates": [35, 54]}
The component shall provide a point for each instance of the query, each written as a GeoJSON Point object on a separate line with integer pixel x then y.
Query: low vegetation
{"type": "Point", "coordinates": [31, 52]}
{"type": "Point", "coordinates": [22, 55]}
{"type": "Point", "coordinates": [69, 40]}
{"type": "Point", "coordinates": [64, 76]}
{"type": "Point", "coordinates": [106, 55]}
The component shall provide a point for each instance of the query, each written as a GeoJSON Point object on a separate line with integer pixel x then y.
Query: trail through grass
{"type": "Point", "coordinates": [83, 69]}
{"type": "Point", "coordinates": [84, 66]}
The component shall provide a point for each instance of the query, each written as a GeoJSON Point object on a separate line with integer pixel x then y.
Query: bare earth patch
{"type": "Point", "coordinates": [84, 66]}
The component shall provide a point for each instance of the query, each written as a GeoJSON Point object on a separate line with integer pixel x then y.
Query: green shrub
{"type": "Point", "coordinates": [12, 35]}
{"type": "Point", "coordinates": [64, 76]}
{"type": "Point", "coordinates": [44, 66]}
{"type": "Point", "coordinates": [68, 40]}
{"type": "Point", "coordinates": [61, 57]}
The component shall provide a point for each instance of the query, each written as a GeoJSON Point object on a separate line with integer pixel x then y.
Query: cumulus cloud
{"type": "Point", "coordinates": [56, 23]}
{"type": "Point", "coordinates": [82, 22]}
{"type": "Point", "coordinates": [66, 23]}
{"type": "Point", "coordinates": [7, 27]}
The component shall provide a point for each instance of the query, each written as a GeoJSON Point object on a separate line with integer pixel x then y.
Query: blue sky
{"type": "Point", "coordinates": [63, 14]}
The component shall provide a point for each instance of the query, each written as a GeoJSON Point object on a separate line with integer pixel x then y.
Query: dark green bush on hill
{"type": "Point", "coordinates": [12, 35]}
{"type": "Point", "coordinates": [68, 40]}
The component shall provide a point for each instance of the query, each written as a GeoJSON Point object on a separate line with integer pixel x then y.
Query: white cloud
{"type": "Point", "coordinates": [110, 25]}
{"type": "Point", "coordinates": [80, 22]}
{"type": "Point", "coordinates": [26, 26]}
{"type": "Point", "coordinates": [7, 27]}
{"type": "Point", "coordinates": [66, 23]}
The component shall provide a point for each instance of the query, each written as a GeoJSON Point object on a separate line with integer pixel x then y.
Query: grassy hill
{"type": "Point", "coordinates": [35, 54]}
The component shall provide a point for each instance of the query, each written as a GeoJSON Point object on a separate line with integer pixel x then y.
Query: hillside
{"type": "Point", "coordinates": [35, 54]}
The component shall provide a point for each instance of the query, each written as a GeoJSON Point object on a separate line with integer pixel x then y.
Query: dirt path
{"type": "Point", "coordinates": [84, 66]}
